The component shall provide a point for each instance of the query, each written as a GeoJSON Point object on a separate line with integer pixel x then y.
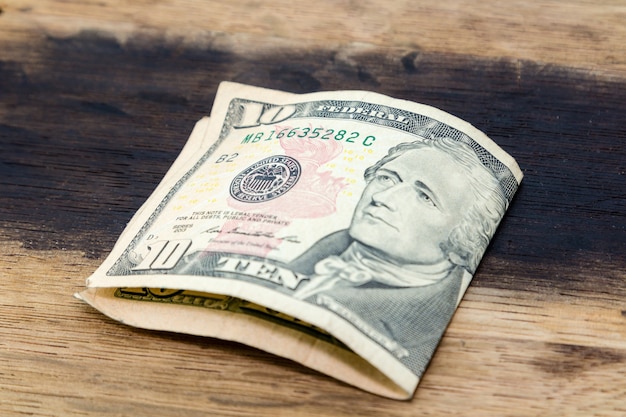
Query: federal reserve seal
{"type": "Point", "coordinates": [266, 180]}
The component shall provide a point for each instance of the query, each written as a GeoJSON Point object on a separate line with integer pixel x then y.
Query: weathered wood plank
{"type": "Point", "coordinates": [581, 33]}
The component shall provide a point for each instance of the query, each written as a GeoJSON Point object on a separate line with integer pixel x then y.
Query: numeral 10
{"type": "Point", "coordinates": [163, 254]}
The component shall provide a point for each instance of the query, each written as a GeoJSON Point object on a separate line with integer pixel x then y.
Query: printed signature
{"type": "Point", "coordinates": [256, 233]}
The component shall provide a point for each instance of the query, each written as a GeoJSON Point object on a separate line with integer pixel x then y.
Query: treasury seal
{"type": "Point", "coordinates": [266, 180]}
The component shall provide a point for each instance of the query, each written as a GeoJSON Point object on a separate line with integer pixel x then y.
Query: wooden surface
{"type": "Point", "coordinates": [97, 98]}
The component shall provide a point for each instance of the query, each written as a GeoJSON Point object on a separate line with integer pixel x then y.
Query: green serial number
{"type": "Point", "coordinates": [308, 133]}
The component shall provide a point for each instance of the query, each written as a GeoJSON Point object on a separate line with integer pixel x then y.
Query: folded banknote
{"type": "Point", "coordinates": [338, 229]}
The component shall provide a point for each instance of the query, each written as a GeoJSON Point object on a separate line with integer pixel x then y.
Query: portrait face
{"type": "Point", "coordinates": [411, 204]}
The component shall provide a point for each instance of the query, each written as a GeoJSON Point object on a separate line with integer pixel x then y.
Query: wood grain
{"type": "Point", "coordinates": [581, 33]}
{"type": "Point", "coordinates": [97, 98]}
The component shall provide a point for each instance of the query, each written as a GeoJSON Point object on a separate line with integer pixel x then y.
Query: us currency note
{"type": "Point", "coordinates": [339, 229]}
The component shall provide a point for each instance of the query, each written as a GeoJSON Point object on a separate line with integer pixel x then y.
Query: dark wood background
{"type": "Point", "coordinates": [95, 105]}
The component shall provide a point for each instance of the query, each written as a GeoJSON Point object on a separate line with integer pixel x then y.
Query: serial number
{"type": "Point", "coordinates": [309, 133]}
